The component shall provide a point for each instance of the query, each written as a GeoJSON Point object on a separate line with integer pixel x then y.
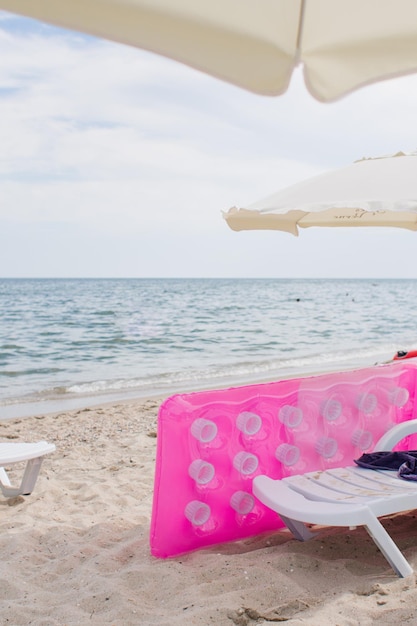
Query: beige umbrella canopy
{"type": "Point", "coordinates": [255, 44]}
{"type": "Point", "coordinates": [370, 192]}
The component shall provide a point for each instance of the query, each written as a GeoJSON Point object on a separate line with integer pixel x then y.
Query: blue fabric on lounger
{"type": "Point", "coordinates": [404, 462]}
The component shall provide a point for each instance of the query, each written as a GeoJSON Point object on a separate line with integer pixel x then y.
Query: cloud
{"type": "Point", "coordinates": [108, 143]}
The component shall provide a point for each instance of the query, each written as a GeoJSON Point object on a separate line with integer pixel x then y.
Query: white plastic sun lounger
{"type": "Point", "coordinates": [33, 454]}
{"type": "Point", "coordinates": [350, 496]}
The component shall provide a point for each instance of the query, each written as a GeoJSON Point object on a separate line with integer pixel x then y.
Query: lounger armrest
{"type": "Point", "coordinates": [395, 434]}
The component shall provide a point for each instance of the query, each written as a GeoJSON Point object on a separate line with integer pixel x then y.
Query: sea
{"type": "Point", "coordinates": [71, 343]}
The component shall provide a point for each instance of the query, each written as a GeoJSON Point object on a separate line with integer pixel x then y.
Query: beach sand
{"type": "Point", "coordinates": [77, 550]}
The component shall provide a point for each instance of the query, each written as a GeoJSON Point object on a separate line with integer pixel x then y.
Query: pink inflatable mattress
{"type": "Point", "coordinates": [212, 444]}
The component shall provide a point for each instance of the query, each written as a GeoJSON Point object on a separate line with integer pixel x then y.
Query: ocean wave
{"type": "Point", "coordinates": [30, 372]}
{"type": "Point", "coordinates": [252, 370]}
{"type": "Point", "coordinates": [83, 339]}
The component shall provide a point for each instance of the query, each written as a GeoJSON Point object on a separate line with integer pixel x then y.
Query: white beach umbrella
{"type": "Point", "coordinates": [255, 44]}
{"type": "Point", "coordinates": [370, 192]}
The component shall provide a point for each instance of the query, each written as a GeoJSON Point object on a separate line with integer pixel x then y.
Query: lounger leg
{"type": "Point", "coordinates": [29, 479]}
{"type": "Point", "coordinates": [4, 479]}
{"type": "Point", "coordinates": [388, 548]}
{"type": "Point", "coordinates": [298, 529]}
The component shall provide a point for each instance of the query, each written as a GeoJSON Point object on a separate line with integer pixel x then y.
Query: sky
{"type": "Point", "coordinates": [115, 162]}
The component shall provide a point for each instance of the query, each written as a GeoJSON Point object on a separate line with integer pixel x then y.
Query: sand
{"type": "Point", "coordinates": [76, 551]}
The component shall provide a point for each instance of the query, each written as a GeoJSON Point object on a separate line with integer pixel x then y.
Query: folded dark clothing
{"type": "Point", "coordinates": [405, 463]}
